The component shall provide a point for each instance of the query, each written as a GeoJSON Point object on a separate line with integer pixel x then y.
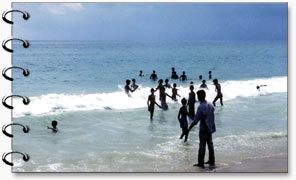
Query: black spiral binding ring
{"type": "Point", "coordinates": [26, 129]}
{"type": "Point", "coordinates": [26, 100]}
{"type": "Point", "coordinates": [26, 72]}
{"type": "Point", "coordinates": [26, 15]}
{"type": "Point", "coordinates": [26, 44]}
{"type": "Point", "coordinates": [26, 157]}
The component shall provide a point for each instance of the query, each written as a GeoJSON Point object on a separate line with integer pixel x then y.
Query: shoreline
{"type": "Point", "coordinates": [273, 164]}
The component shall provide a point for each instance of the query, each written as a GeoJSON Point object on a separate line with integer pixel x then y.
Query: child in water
{"type": "Point", "coordinates": [175, 92]}
{"type": "Point", "coordinates": [54, 126]}
{"type": "Point", "coordinates": [182, 117]}
{"type": "Point", "coordinates": [151, 102]}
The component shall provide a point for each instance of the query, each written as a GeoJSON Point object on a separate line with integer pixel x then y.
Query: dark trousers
{"type": "Point", "coordinates": [205, 137]}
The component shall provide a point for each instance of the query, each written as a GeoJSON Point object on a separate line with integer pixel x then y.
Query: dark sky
{"type": "Point", "coordinates": [152, 21]}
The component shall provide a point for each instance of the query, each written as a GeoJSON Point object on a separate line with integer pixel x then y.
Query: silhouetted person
{"type": "Point", "coordinates": [153, 76]}
{"type": "Point", "coordinates": [204, 115]}
{"type": "Point", "coordinates": [167, 85]}
{"type": "Point", "coordinates": [200, 77]}
{"type": "Point", "coordinates": [151, 103]}
{"type": "Point", "coordinates": [134, 85]}
{"type": "Point", "coordinates": [175, 92]}
{"type": "Point", "coordinates": [210, 74]}
{"type": "Point", "coordinates": [54, 126]}
{"type": "Point", "coordinates": [219, 93]}
{"type": "Point", "coordinates": [191, 83]}
{"type": "Point", "coordinates": [191, 102]}
{"type": "Point", "coordinates": [163, 95]}
{"type": "Point", "coordinates": [183, 77]}
{"type": "Point", "coordinates": [160, 87]}
{"type": "Point", "coordinates": [182, 117]}
{"type": "Point", "coordinates": [203, 85]}
{"type": "Point", "coordinates": [174, 74]}
{"type": "Point", "coordinates": [258, 87]}
{"type": "Point", "coordinates": [127, 88]}
{"type": "Point", "coordinates": [141, 73]}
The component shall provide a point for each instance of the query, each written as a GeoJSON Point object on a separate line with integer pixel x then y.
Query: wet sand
{"type": "Point", "coordinates": [267, 164]}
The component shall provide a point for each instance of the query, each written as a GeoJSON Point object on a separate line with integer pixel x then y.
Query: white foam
{"type": "Point", "coordinates": [58, 103]}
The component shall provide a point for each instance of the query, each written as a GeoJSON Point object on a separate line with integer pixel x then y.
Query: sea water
{"type": "Point", "coordinates": [80, 84]}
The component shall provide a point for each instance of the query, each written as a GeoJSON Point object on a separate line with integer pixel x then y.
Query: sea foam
{"type": "Point", "coordinates": [118, 100]}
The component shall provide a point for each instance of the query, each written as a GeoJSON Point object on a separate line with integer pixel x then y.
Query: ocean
{"type": "Point", "coordinates": [101, 129]}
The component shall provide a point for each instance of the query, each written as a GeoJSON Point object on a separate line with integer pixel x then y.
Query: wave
{"type": "Point", "coordinates": [118, 100]}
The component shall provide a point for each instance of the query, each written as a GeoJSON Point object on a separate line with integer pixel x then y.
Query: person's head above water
{"type": "Point", "coordinates": [191, 87]}
{"type": "Point", "coordinates": [160, 81]}
{"type": "Point", "coordinates": [152, 90]}
{"type": "Point", "coordinates": [191, 82]}
{"type": "Point", "coordinates": [200, 76]}
{"type": "Point", "coordinates": [166, 80]}
{"type": "Point", "coordinates": [153, 71]}
{"type": "Point", "coordinates": [184, 102]}
{"type": "Point", "coordinates": [215, 81]}
{"type": "Point", "coordinates": [141, 71]}
{"type": "Point", "coordinates": [174, 85]}
{"type": "Point", "coordinates": [54, 124]}
{"type": "Point", "coordinates": [203, 81]}
{"type": "Point", "coordinates": [127, 82]}
{"type": "Point", "coordinates": [173, 69]}
{"type": "Point", "coordinates": [183, 72]}
{"type": "Point", "coordinates": [133, 80]}
{"type": "Point", "coordinates": [210, 72]}
{"type": "Point", "coordinates": [201, 95]}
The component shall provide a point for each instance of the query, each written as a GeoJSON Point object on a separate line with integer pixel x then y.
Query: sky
{"type": "Point", "coordinates": [152, 21]}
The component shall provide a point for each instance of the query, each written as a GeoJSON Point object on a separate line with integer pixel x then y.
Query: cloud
{"type": "Point", "coordinates": [62, 8]}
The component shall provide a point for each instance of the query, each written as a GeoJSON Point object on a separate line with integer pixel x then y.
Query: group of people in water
{"type": "Point", "coordinates": [204, 114]}
{"type": "Point", "coordinates": [163, 95]}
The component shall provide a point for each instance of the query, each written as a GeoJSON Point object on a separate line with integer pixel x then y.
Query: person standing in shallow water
{"type": "Point", "coordinates": [160, 87]}
{"type": "Point", "coordinates": [204, 115]}
{"type": "Point", "coordinates": [182, 117]}
{"type": "Point", "coordinates": [191, 102]}
{"type": "Point", "coordinates": [219, 93]}
{"type": "Point", "coordinates": [175, 92]}
{"type": "Point", "coordinates": [151, 103]}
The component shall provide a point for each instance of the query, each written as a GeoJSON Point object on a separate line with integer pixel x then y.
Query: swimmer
{"type": "Point", "coordinates": [54, 126]}
{"type": "Point", "coordinates": [203, 85]}
{"type": "Point", "coordinates": [174, 74]}
{"type": "Point", "coordinates": [183, 77]}
{"type": "Point", "coordinates": [153, 76]}
{"type": "Point", "coordinates": [167, 85]}
{"type": "Point", "coordinates": [134, 85]}
{"type": "Point", "coordinates": [141, 73]}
